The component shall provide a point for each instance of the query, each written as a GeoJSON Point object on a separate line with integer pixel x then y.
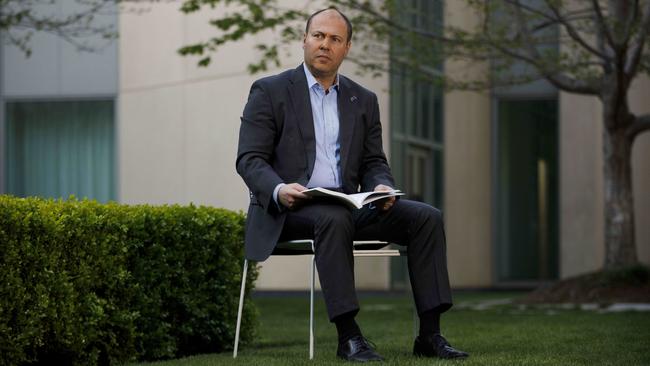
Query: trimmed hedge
{"type": "Point", "coordinates": [84, 283]}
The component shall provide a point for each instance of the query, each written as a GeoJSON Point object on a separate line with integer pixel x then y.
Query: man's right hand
{"type": "Point", "coordinates": [291, 196]}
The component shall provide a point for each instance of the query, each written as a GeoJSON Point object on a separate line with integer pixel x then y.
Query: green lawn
{"type": "Point", "coordinates": [501, 335]}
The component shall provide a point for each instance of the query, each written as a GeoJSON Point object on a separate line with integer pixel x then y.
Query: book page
{"type": "Point", "coordinates": [355, 200]}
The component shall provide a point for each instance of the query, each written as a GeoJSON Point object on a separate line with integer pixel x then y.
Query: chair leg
{"type": "Point", "coordinates": [311, 309]}
{"type": "Point", "coordinates": [241, 306]}
{"type": "Point", "coordinates": [416, 321]}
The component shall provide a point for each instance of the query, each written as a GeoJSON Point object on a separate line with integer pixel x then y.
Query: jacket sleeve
{"type": "Point", "coordinates": [257, 136]}
{"type": "Point", "coordinates": [374, 167]}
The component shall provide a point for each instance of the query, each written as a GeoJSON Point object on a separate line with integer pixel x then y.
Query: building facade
{"type": "Point", "coordinates": [517, 172]}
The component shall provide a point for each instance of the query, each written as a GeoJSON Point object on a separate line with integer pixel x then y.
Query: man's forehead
{"type": "Point", "coordinates": [329, 21]}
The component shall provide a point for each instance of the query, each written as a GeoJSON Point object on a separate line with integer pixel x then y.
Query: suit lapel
{"type": "Point", "coordinates": [299, 96]}
{"type": "Point", "coordinates": [347, 103]}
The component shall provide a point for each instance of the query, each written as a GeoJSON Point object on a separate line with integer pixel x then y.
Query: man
{"type": "Point", "coordinates": [312, 127]}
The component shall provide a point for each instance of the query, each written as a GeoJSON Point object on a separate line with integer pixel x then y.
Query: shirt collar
{"type": "Point", "coordinates": [311, 80]}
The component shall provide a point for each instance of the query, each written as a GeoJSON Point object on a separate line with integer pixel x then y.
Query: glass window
{"type": "Point", "coordinates": [62, 148]}
{"type": "Point", "coordinates": [416, 122]}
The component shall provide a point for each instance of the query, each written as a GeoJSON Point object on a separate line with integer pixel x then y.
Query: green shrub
{"type": "Point", "coordinates": [84, 283]}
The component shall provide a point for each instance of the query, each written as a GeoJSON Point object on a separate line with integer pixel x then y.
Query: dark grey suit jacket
{"type": "Point", "coordinates": [277, 145]}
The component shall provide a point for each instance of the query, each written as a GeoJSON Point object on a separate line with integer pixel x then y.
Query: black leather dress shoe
{"type": "Point", "coordinates": [436, 346]}
{"type": "Point", "coordinates": [357, 349]}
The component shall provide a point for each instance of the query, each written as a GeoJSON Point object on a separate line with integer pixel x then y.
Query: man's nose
{"type": "Point", "coordinates": [325, 44]}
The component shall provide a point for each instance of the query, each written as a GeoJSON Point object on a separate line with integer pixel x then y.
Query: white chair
{"type": "Point", "coordinates": [362, 248]}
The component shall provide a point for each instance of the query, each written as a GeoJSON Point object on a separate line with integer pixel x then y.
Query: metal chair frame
{"type": "Point", "coordinates": [362, 248]}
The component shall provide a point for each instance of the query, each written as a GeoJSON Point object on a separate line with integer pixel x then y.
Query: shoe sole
{"type": "Point", "coordinates": [421, 354]}
{"type": "Point", "coordinates": [356, 360]}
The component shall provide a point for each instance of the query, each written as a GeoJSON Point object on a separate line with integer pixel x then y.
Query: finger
{"type": "Point", "coordinates": [298, 195]}
{"type": "Point", "coordinates": [300, 187]}
{"type": "Point", "coordinates": [295, 190]}
{"type": "Point", "coordinates": [292, 204]}
{"type": "Point", "coordinates": [389, 203]}
{"type": "Point", "coordinates": [382, 188]}
{"type": "Point", "coordinates": [298, 192]}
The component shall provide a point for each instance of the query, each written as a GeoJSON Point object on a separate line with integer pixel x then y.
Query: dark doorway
{"type": "Point", "coordinates": [527, 191]}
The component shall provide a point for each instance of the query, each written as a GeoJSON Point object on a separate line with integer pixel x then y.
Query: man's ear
{"type": "Point", "coordinates": [304, 39]}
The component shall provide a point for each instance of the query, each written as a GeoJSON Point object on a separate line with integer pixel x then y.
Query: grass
{"type": "Point", "coordinates": [501, 335]}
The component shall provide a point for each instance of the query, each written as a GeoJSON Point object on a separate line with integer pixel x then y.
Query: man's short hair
{"type": "Point", "coordinates": [347, 21]}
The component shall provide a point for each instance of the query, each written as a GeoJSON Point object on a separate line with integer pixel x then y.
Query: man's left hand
{"type": "Point", "coordinates": [386, 203]}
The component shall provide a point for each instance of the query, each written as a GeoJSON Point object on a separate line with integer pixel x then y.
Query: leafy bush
{"type": "Point", "coordinates": [84, 283]}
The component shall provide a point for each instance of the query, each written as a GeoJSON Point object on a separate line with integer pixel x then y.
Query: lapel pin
{"type": "Point", "coordinates": [353, 98]}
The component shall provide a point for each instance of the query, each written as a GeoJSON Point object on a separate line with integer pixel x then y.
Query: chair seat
{"type": "Point", "coordinates": [369, 244]}
{"type": "Point", "coordinates": [294, 247]}
{"type": "Point", "coordinates": [362, 248]}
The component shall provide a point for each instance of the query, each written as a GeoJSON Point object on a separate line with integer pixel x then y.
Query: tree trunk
{"type": "Point", "coordinates": [620, 249]}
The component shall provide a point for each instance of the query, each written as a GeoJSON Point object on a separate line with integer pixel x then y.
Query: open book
{"type": "Point", "coordinates": [355, 200]}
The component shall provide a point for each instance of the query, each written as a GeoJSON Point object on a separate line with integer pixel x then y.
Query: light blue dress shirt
{"type": "Point", "coordinates": [325, 112]}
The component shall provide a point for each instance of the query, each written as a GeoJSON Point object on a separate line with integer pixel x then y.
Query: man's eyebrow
{"type": "Point", "coordinates": [327, 34]}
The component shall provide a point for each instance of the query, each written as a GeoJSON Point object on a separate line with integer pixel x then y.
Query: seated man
{"type": "Point", "coordinates": [312, 127]}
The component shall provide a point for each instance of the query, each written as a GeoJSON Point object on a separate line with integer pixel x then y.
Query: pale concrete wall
{"type": "Point", "coordinates": [467, 171]}
{"type": "Point", "coordinates": [582, 244]}
{"type": "Point", "coordinates": [581, 185]}
{"type": "Point", "coordinates": [179, 124]}
{"type": "Point", "coordinates": [467, 189]}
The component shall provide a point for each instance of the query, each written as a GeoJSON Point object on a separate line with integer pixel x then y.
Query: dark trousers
{"type": "Point", "coordinates": [413, 224]}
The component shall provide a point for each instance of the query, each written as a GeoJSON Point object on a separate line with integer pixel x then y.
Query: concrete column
{"type": "Point", "coordinates": [581, 185]}
{"type": "Point", "coordinates": [467, 170]}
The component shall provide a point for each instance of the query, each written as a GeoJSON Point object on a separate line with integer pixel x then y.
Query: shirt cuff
{"type": "Point", "coordinates": [275, 194]}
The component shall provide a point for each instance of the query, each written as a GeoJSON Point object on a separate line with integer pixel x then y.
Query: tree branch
{"type": "Point", "coordinates": [636, 48]}
{"type": "Point", "coordinates": [629, 23]}
{"type": "Point", "coordinates": [640, 124]}
{"type": "Point", "coordinates": [19, 21]}
{"type": "Point", "coordinates": [644, 65]}
{"type": "Point", "coordinates": [600, 21]}
{"type": "Point", "coordinates": [530, 9]}
{"type": "Point", "coordinates": [554, 21]}
{"type": "Point", "coordinates": [365, 8]}
{"type": "Point", "coordinates": [560, 80]}
{"type": "Point", "coordinates": [565, 21]}
{"type": "Point", "coordinates": [574, 33]}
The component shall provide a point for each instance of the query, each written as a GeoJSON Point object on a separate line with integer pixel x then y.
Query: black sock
{"type": "Point", "coordinates": [429, 323]}
{"type": "Point", "coordinates": [346, 326]}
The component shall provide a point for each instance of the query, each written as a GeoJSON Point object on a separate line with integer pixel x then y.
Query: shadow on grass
{"type": "Point", "coordinates": [265, 345]}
